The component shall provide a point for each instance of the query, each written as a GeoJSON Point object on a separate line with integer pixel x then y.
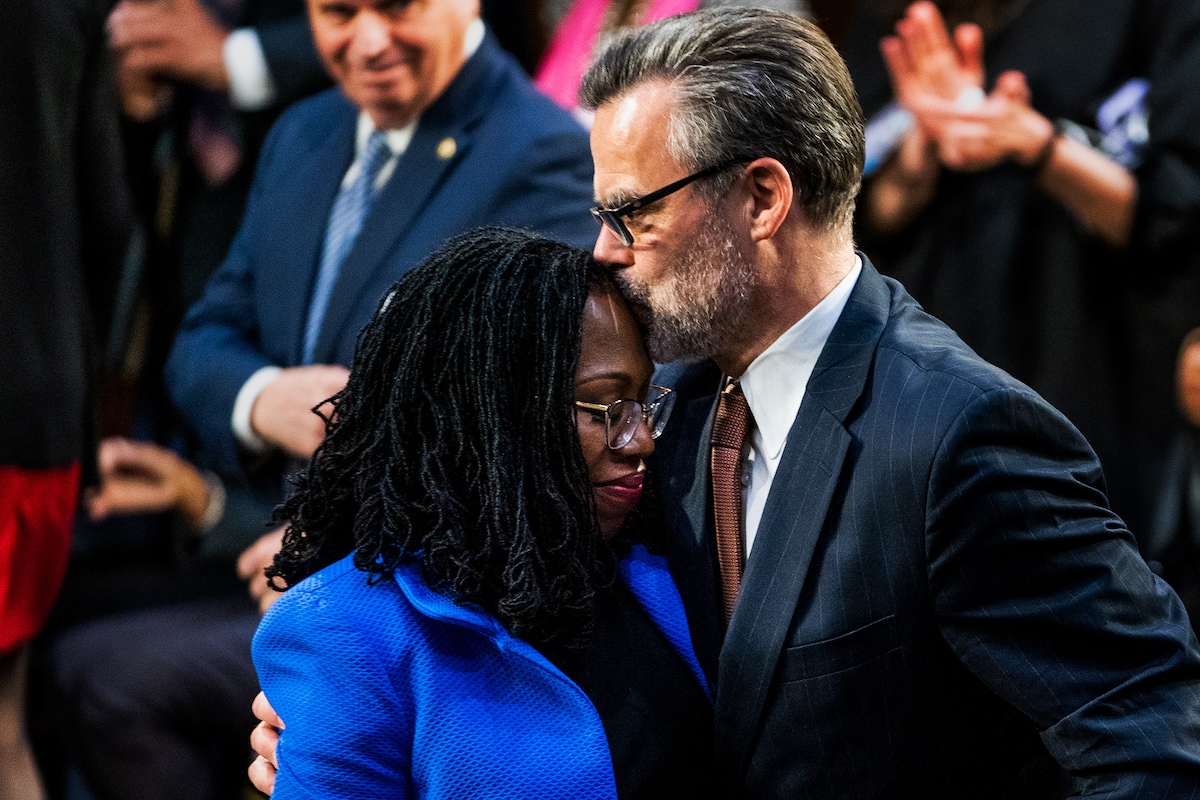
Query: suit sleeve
{"type": "Point", "coordinates": [327, 679]}
{"type": "Point", "coordinates": [1039, 591]}
{"type": "Point", "coordinates": [217, 347]}
{"type": "Point", "coordinates": [292, 58]}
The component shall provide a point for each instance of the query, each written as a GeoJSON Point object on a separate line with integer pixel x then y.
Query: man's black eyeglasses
{"type": "Point", "coordinates": [612, 216]}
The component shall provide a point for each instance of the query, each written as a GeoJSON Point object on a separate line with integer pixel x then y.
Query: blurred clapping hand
{"type": "Point", "coordinates": [158, 42]}
{"type": "Point", "coordinates": [939, 77]}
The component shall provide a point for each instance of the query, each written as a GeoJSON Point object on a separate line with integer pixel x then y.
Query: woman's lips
{"type": "Point", "coordinates": [633, 480]}
{"type": "Point", "coordinates": [620, 493]}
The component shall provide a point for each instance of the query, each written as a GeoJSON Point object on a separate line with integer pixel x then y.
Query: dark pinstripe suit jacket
{"type": "Point", "coordinates": [939, 603]}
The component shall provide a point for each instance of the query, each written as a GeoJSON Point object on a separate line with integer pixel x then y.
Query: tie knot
{"type": "Point", "coordinates": [733, 415]}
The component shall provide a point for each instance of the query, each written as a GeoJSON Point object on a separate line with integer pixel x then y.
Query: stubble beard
{"type": "Point", "coordinates": [699, 309]}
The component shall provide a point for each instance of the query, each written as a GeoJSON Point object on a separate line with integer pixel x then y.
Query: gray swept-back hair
{"type": "Point", "coordinates": [748, 83]}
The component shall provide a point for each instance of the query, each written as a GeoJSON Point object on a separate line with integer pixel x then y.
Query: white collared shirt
{"type": "Point", "coordinates": [774, 385]}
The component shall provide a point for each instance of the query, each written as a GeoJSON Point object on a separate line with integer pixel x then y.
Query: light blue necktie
{"type": "Point", "coordinates": [345, 220]}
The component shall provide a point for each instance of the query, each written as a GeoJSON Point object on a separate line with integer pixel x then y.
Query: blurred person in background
{"type": "Point", "coordinates": [587, 25]}
{"type": "Point", "coordinates": [1172, 542]}
{"type": "Point", "coordinates": [1033, 180]}
{"type": "Point", "coordinates": [206, 79]}
{"type": "Point", "coordinates": [65, 220]}
{"type": "Point", "coordinates": [200, 83]}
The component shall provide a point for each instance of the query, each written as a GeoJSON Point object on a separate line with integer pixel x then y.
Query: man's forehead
{"type": "Point", "coordinates": [629, 141]}
{"type": "Point", "coordinates": [640, 114]}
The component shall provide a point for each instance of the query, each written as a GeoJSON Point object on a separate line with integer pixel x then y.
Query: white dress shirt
{"type": "Point", "coordinates": [774, 385]}
{"type": "Point", "coordinates": [251, 87]}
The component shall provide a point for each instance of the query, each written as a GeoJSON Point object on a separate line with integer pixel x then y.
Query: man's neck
{"type": "Point", "coordinates": [794, 280]}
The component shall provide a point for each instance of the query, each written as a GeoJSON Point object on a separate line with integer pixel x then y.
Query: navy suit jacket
{"type": "Point", "coordinates": [939, 603]}
{"type": "Point", "coordinates": [517, 160]}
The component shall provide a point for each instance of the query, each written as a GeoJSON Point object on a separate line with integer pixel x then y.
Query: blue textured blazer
{"type": "Point", "coordinates": [517, 160]}
{"type": "Point", "coordinates": [939, 603]}
{"type": "Point", "coordinates": [394, 691]}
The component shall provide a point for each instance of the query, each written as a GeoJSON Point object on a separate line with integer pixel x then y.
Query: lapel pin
{"type": "Point", "coordinates": [447, 148]}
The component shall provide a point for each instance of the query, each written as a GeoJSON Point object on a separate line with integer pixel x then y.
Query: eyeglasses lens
{"type": "Point", "coordinates": [658, 411]}
{"type": "Point", "coordinates": [614, 224]}
{"type": "Point", "coordinates": [623, 418]}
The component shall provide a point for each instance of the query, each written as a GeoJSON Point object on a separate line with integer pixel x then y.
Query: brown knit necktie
{"type": "Point", "coordinates": [728, 453]}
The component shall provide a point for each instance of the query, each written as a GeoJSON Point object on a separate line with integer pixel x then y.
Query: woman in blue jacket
{"type": "Point", "coordinates": [475, 611]}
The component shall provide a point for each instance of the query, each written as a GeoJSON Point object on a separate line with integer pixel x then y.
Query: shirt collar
{"type": "Point", "coordinates": [774, 382]}
{"type": "Point", "coordinates": [399, 138]}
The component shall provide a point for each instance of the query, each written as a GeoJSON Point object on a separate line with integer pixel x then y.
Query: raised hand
{"type": "Point", "coordinates": [176, 39]}
{"type": "Point", "coordinates": [924, 61]}
{"type": "Point", "coordinates": [1002, 128]}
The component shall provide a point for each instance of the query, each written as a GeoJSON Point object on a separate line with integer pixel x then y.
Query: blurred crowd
{"type": "Point", "coordinates": [180, 286]}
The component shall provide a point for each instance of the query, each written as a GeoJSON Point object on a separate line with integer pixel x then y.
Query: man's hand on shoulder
{"type": "Point", "coordinates": [282, 414]}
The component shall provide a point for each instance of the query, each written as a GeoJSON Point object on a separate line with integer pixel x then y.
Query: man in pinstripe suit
{"type": "Point", "coordinates": [937, 601]}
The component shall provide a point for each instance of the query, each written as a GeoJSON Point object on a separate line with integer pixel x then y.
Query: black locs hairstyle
{"type": "Point", "coordinates": [454, 441]}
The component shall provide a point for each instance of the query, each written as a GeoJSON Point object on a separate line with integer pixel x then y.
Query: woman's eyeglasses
{"type": "Point", "coordinates": [621, 418]}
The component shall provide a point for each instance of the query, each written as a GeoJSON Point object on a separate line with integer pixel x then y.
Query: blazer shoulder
{"type": "Point", "coordinates": [308, 121]}
{"type": "Point", "coordinates": [338, 605]}
{"type": "Point", "coordinates": [931, 347]}
{"type": "Point", "coordinates": [524, 113]}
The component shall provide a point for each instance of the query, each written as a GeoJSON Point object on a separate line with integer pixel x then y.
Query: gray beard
{"type": "Point", "coordinates": [698, 310]}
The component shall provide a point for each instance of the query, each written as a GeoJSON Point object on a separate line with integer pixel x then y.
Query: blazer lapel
{"type": "Point", "coordinates": [793, 519]}
{"type": "Point", "coordinates": [648, 577]}
{"type": "Point", "coordinates": [680, 468]}
{"type": "Point", "coordinates": [301, 207]}
{"type": "Point", "coordinates": [419, 172]}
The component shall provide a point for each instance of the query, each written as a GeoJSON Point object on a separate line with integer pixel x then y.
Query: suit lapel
{"type": "Point", "coordinates": [680, 468]}
{"type": "Point", "coordinates": [648, 577]}
{"type": "Point", "coordinates": [301, 206]}
{"type": "Point", "coordinates": [418, 174]}
{"type": "Point", "coordinates": [793, 519]}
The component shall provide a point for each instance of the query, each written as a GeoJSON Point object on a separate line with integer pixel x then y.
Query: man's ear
{"type": "Point", "coordinates": [770, 189]}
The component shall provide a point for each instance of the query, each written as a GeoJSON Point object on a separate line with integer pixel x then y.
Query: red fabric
{"type": "Point", "coordinates": [573, 45]}
{"type": "Point", "coordinates": [37, 508]}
